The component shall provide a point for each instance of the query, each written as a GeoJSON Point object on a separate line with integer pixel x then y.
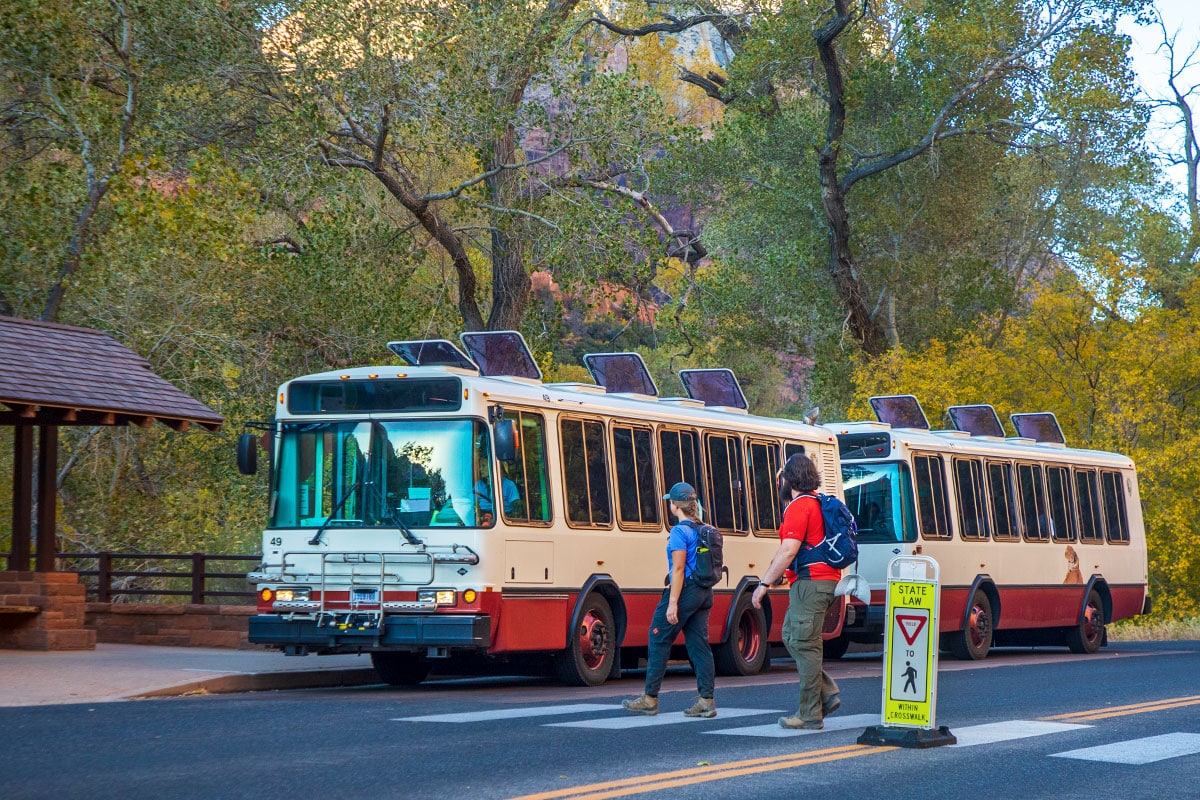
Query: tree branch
{"type": "Point", "coordinates": [690, 246]}
{"type": "Point", "coordinates": [711, 84]}
{"type": "Point", "coordinates": [673, 24]}
{"type": "Point", "coordinates": [496, 170]}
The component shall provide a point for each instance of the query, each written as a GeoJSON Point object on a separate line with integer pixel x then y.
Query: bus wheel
{"type": "Point", "coordinates": [591, 647]}
{"type": "Point", "coordinates": [400, 669]}
{"type": "Point", "coordinates": [1089, 634]}
{"type": "Point", "coordinates": [836, 647]}
{"type": "Point", "coordinates": [745, 650]}
{"type": "Point", "coordinates": [975, 639]}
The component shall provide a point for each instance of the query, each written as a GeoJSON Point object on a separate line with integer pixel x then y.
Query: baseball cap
{"type": "Point", "coordinates": [681, 493]}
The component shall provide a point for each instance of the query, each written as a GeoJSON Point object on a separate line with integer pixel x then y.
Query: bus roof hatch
{"type": "Point", "coordinates": [501, 353]}
{"type": "Point", "coordinates": [899, 411]}
{"type": "Point", "coordinates": [431, 353]}
{"type": "Point", "coordinates": [1041, 426]}
{"type": "Point", "coordinates": [713, 387]}
{"type": "Point", "coordinates": [621, 372]}
{"type": "Point", "coordinates": [979, 420]}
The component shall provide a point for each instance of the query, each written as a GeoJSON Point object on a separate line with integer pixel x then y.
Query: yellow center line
{"type": "Point", "coordinates": [1121, 711]}
{"type": "Point", "coordinates": [694, 775]}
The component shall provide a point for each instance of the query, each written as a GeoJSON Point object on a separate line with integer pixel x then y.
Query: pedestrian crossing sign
{"type": "Point", "coordinates": [910, 651]}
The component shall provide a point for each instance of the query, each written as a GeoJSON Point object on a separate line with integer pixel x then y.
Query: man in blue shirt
{"type": "Point", "coordinates": [508, 493]}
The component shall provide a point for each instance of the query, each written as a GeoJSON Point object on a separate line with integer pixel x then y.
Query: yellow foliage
{"type": "Point", "coordinates": [1125, 385]}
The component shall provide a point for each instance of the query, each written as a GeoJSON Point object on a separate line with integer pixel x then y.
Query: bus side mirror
{"type": "Point", "coordinates": [247, 454]}
{"type": "Point", "coordinates": [506, 440]}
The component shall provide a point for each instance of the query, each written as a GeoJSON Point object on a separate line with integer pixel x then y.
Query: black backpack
{"type": "Point", "coordinates": [839, 548]}
{"type": "Point", "coordinates": [710, 554]}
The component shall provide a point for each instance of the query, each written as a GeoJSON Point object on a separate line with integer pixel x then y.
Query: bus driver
{"type": "Point", "coordinates": [508, 493]}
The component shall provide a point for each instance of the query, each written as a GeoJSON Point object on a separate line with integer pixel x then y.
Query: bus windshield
{"type": "Point", "coordinates": [880, 497]}
{"type": "Point", "coordinates": [369, 474]}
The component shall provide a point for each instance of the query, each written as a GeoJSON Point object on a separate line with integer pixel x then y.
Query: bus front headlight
{"type": "Point", "coordinates": [442, 597]}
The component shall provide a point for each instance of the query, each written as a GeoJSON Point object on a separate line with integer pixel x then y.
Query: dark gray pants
{"type": "Point", "coordinates": [694, 603]}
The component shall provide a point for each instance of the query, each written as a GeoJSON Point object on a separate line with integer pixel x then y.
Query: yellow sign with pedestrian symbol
{"type": "Point", "coordinates": [910, 656]}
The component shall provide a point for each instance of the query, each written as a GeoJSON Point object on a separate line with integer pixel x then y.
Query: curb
{"type": "Point", "coordinates": [268, 681]}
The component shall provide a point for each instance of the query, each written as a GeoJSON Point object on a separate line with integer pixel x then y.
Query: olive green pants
{"type": "Point", "coordinates": [807, 603]}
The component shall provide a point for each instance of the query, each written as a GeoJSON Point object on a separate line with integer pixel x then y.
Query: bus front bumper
{"type": "Point", "coordinates": [347, 634]}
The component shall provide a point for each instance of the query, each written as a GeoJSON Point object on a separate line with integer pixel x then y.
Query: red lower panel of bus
{"type": "Point", "coordinates": [1037, 606]}
{"type": "Point", "coordinates": [526, 623]}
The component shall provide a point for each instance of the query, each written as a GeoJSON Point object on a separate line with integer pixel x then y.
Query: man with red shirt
{"type": "Point", "coordinates": [810, 595]}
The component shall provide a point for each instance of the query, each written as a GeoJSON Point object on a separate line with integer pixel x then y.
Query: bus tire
{"type": "Point", "coordinates": [975, 639]}
{"type": "Point", "coordinates": [835, 648]}
{"type": "Point", "coordinates": [591, 647]}
{"type": "Point", "coordinates": [744, 651]}
{"type": "Point", "coordinates": [400, 669]}
{"type": "Point", "coordinates": [1088, 635]}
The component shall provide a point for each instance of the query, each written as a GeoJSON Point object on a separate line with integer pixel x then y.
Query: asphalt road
{"type": "Point", "coordinates": [1124, 723]}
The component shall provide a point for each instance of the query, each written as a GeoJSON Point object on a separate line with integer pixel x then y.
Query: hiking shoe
{"type": "Point", "coordinates": [703, 707]}
{"type": "Point", "coordinates": [797, 724]}
{"type": "Point", "coordinates": [831, 704]}
{"type": "Point", "coordinates": [643, 704]}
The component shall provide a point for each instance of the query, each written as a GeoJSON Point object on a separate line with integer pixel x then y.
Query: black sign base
{"type": "Point", "coordinates": [921, 738]}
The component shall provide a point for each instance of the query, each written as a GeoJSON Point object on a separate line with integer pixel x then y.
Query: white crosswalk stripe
{"type": "Point", "coordinates": [641, 721]}
{"type": "Point", "coordinates": [1131, 752]}
{"type": "Point", "coordinates": [773, 731]}
{"type": "Point", "coordinates": [972, 735]}
{"type": "Point", "coordinates": [1139, 751]}
{"type": "Point", "coordinates": [511, 713]}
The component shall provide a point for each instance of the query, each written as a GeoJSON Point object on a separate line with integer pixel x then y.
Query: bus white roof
{"type": "Point", "coordinates": [583, 397]}
{"type": "Point", "coordinates": [964, 443]}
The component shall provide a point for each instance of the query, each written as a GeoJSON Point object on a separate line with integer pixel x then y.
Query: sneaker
{"type": "Point", "coordinates": [797, 724]}
{"type": "Point", "coordinates": [831, 704]}
{"type": "Point", "coordinates": [642, 704]}
{"type": "Point", "coordinates": [703, 707]}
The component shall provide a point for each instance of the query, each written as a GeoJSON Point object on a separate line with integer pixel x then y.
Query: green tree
{"type": "Point", "coordinates": [1121, 383]}
{"type": "Point", "coordinates": [492, 128]}
{"type": "Point", "coordinates": [892, 120]}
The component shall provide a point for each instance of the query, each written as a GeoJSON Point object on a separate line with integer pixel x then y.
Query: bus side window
{"type": "Point", "coordinates": [790, 449]}
{"type": "Point", "coordinates": [1089, 506]}
{"type": "Point", "coordinates": [725, 473]}
{"type": "Point", "coordinates": [764, 464]}
{"type": "Point", "coordinates": [972, 506]}
{"type": "Point", "coordinates": [585, 473]}
{"type": "Point", "coordinates": [633, 462]}
{"type": "Point", "coordinates": [1062, 504]}
{"type": "Point", "coordinates": [1116, 523]}
{"type": "Point", "coordinates": [529, 471]}
{"type": "Point", "coordinates": [680, 454]}
{"type": "Point", "coordinates": [1033, 502]}
{"type": "Point", "coordinates": [931, 497]}
{"type": "Point", "coordinates": [1005, 524]}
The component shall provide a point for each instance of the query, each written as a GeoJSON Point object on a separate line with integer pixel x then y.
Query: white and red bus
{"type": "Point", "coordinates": [1037, 543]}
{"type": "Point", "coordinates": [458, 510]}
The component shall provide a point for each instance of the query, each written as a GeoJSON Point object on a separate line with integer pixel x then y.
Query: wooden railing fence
{"type": "Point", "coordinates": [153, 577]}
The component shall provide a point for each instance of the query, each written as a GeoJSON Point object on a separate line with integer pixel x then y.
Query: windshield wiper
{"type": "Point", "coordinates": [316, 539]}
{"type": "Point", "coordinates": [404, 529]}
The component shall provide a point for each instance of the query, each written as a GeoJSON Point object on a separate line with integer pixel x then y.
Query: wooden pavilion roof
{"type": "Point", "coordinates": [54, 374]}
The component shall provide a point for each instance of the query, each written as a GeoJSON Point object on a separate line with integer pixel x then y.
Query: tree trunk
{"type": "Point", "coordinates": [510, 282]}
{"type": "Point", "coordinates": [74, 256]}
{"type": "Point", "coordinates": [833, 194]}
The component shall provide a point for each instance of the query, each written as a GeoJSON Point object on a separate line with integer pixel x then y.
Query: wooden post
{"type": "Point", "coordinates": [198, 579]}
{"type": "Point", "coordinates": [103, 578]}
{"type": "Point", "coordinates": [22, 500]}
{"type": "Point", "coordinates": [47, 542]}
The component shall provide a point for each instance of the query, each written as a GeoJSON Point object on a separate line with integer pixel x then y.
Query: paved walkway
{"type": "Point", "coordinates": [114, 672]}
